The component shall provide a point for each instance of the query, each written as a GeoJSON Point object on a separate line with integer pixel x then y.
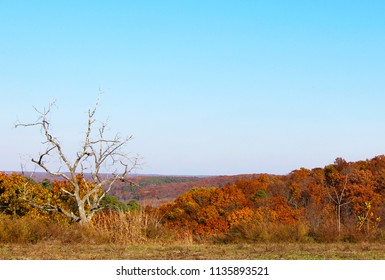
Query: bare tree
{"type": "Point", "coordinates": [336, 186]}
{"type": "Point", "coordinates": [100, 160]}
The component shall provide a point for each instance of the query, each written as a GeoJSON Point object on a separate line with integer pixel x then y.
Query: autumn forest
{"type": "Point", "coordinates": [343, 201]}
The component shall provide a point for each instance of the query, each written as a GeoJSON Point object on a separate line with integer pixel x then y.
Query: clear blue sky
{"type": "Point", "coordinates": [205, 87]}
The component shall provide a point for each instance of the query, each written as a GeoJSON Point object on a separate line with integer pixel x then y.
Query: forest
{"type": "Point", "coordinates": [343, 201]}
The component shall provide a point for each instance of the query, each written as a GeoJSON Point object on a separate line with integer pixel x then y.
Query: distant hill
{"type": "Point", "coordinates": [154, 190]}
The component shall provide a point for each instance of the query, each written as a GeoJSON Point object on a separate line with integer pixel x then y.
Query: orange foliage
{"type": "Point", "coordinates": [15, 193]}
{"type": "Point", "coordinates": [208, 211]}
{"type": "Point", "coordinates": [304, 196]}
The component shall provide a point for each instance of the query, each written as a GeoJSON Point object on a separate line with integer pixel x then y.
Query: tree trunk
{"type": "Point", "coordinates": [339, 220]}
{"type": "Point", "coordinates": [83, 219]}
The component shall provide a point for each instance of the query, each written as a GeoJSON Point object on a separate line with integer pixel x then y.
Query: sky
{"type": "Point", "coordinates": [205, 87]}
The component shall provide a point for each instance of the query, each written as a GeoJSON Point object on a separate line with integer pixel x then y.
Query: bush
{"type": "Point", "coordinates": [267, 232]}
{"type": "Point", "coordinates": [26, 230]}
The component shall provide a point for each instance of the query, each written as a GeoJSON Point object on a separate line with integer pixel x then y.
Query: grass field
{"type": "Point", "coordinates": [312, 251]}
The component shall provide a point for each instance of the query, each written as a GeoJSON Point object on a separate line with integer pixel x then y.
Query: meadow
{"type": "Point", "coordinates": [54, 250]}
{"type": "Point", "coordinates": [140, 236]}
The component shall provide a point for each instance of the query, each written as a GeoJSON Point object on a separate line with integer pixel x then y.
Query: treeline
{"type": "Point", "coordinates": [342, 201]}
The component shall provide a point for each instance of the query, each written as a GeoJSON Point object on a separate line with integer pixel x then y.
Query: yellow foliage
{"type": "Point", "coordinates": [243, 215]}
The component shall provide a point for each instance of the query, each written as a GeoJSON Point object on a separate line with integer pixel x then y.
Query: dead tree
{"type": "Point", "coordinates": [100, 160]}
{"type": "Point", "coordinates": [336, 186]}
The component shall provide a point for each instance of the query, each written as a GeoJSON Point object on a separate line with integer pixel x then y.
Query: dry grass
{"type": "Point", "coordinates": [107, 228]}
{"type": "Point", "coordinates": [139, 235]}
{"type": "Point", "coordinates": [48, 250]}
{"type": "Point", "coordinates": [136, 227]}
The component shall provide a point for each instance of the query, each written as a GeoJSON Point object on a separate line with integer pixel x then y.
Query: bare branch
{"type": "Point", "coordinates": [96, 153]}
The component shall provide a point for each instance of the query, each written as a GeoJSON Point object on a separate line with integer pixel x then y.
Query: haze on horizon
{"type": "Point", "coordinates": [205, 87]}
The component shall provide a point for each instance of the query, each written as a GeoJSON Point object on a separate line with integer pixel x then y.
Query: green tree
{"type": "Point", "coordinates": [113, 203]}
{"type": "Point", "coordinates": [133, 205]}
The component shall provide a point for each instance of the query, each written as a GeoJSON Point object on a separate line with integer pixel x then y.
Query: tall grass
{"type": "Point", "coordinates": [266, 232]}
{"type": "Point", "coordinates": [137, 227]}
{"type": "Point", "coordinates": [141, 227]}
{"type": "Point", "coordinates": [298, 232]}
{"type": "Point", "coordinates": [26, 230]}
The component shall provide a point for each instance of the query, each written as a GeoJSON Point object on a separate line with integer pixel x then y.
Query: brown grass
{"type": "Point", "coordinates": [140, 235]}
{"type": "Point", "coordinates": [48, 250]}
{"type": "Point", "coordinates": [107, 228]}
{"type": "Point", "coordinates": [136, 227]}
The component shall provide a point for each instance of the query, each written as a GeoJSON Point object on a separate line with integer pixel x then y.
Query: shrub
{"type": "Point", "coordinates": [266, 232]}
{"type": "Point", "coordinates": [26, 230]}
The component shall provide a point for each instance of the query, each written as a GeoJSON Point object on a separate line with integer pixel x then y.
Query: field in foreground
{"type": "Point", "coordinates": [59, 251]}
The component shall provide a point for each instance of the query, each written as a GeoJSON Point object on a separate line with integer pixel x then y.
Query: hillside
{"type": "Point", "coordinates": [154, 190]}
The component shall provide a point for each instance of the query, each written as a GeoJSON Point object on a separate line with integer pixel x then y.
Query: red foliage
{"type": "Point", "coordinates": [307, 196]}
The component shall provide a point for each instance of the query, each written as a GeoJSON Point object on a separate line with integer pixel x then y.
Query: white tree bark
{"type": "Point", "coordinates": [96, 152]}
{"type": "Point", "coordinates": [337, 196]}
